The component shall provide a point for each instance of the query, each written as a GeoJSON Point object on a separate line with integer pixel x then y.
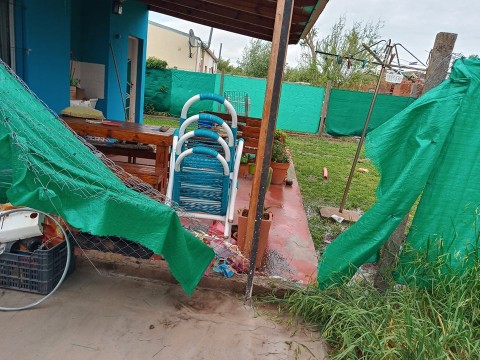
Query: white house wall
{"type": "Point", "coordinates": [172, 46]}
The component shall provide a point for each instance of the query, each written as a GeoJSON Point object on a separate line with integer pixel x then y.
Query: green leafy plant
{"type": "Point", "coordinates": [149, 109]}
{"type": "Point", "coordinates": [280, 135]}
{"type": "Point", "coordinates": [156, 63]}
{"type": "Point", "coordinates": [74, 81]}
{"type": "Point", "coordinates": [279, 153]}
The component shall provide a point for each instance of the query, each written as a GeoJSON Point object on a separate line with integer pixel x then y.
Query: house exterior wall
{"type": "Point", "coordinates": [133, 22]}
{"type": "Point", "coordinates": [209, 63]}
{"type": "Point", "coordinates": [46, 60]}
{"type": "Point", "coordinates": [172, 46]}
{"type": "Point", "coordinates": [50, 31]}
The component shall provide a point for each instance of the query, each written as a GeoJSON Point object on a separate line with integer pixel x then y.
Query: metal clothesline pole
{"type": "Point", "coordinates": [384, 64]}
{"type": "Point", "coordinates": [378, 62]}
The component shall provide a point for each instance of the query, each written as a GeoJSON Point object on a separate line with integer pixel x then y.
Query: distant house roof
{"type": "Point", "coordinates": [204, 46]}
{"type": "Point", "coordinates": [255, 18]}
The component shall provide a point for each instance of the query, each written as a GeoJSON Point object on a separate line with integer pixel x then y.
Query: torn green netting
{"type": "Point", "coordinates": [49, 169]}
{"type": "Point", "coordinates": [431, 146]}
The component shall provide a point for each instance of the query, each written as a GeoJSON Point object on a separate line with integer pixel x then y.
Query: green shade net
{"type": "Point", "coordinates": [50, 169]}
{"type": "Point", "coordinates": [347, 111]}
{"type": "Point", "coordinates": [430, 147]}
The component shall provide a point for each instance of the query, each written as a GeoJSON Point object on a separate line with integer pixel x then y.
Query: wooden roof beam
{"type": "Point", "coordinates": [252, 31]}
{"type": "Point", "coordinates": [265, 8]}
{"type": "Point", "coordinates": [198, 8]}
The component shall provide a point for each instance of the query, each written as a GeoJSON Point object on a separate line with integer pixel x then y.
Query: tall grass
{"type": "Point", "coordinates": [438, 321]}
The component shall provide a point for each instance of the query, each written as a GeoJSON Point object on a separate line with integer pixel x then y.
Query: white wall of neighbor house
{"type": "Point", "coordinates": [172, 46]}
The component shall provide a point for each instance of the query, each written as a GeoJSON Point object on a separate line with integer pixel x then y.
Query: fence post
{"type": "Point", "coordinates": [222, 79]}
{"type": "Point", "coordinates": [323, 113]}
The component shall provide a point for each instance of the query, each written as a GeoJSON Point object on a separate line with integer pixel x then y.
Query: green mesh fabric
{"type": "Point", "coordinates": [430, 147]}
{"type": "Point", "coordinates": [53, 171]}
{"type": "Point", "coordinates": [347, 111]}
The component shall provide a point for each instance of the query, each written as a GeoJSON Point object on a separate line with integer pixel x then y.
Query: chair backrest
{"type": "Point", "coordinates": [209, 96]}
{"type": "Point", "coordinates": [205, 137]}
{"type": "Point", "coordinates": [204, 164]}
{"type": "Point", "coordinates": [206, 190]}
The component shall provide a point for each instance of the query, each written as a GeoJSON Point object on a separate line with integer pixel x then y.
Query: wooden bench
{"type": "Point", "coordinates": [248, 130]}
{"type": "Point", "coordinates": [154, 166]}
{"type": "Point", "coordinates": [147, 173]}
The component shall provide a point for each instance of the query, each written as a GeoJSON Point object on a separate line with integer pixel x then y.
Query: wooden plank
{"type": "Point", "coordinates": [221, 23]}
{"type": "Point", "coordinates": [125, 131]}
{"type": "Point", "coordinates": [270, 113]}
{"type": "Point", "coordinates": [241, 119]}
{"type": "Point", "coordinates": [145, 173]}
{"type": "Point", "coordinates": [304, 15]}
{"type": "Point", "coordinates": [252, 143]}
{"type": "Point", "coordinates": [199, 8]}
{"type": "Point", "coordinates": [250, 131]}
{"type": "Point", "coordinates": [140, 153]}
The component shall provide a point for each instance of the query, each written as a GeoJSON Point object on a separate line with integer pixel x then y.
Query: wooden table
{"type": "Point", "coordinates": [145, 134]}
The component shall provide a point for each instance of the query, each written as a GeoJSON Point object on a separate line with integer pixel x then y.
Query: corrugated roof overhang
{"type": "Point", "coordinates": [254, 18]}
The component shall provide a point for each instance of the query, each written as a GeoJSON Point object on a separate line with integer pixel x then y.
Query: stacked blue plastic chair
{"type": "Point", "coordinates": [204, 164]}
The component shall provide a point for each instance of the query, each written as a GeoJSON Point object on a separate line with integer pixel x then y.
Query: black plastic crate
{"type": "Point", "coordinates": [37, 272]}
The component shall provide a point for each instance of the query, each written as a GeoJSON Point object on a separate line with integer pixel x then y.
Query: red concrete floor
{"type": "Point", "coordinates": [290, 254]}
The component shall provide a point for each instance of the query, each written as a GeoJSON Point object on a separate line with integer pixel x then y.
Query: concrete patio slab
{"type": "Point", "coordinates": [103, 317]}
{"type": "Point", "coordinates": [291, 253]}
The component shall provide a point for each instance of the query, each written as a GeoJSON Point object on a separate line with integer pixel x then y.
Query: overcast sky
{"type": "Point", "coordinates": [413, 23]}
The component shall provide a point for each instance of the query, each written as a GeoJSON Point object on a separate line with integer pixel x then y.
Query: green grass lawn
{"type": "Point", "coordinates": [161, 121]}
{"type": "Point", "coordinates": [310, 155]}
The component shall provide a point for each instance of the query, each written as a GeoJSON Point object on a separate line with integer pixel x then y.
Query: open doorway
{"type": "Point", "coordinates": [132, 78]}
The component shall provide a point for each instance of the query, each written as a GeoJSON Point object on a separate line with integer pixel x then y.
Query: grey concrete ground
{"type": "Point", "coordinates": [105, 317]}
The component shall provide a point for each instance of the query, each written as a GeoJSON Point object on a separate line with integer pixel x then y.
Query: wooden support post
{"type": "Point", "coordinates": [323, 114]}
{"type": "Point", "coordinates": [440, 57]}
{"type": "Point", "coordinates": [281, 32]}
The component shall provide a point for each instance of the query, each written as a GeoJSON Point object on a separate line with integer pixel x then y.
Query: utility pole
{"type": "Point", "coordinates": [437, 71]}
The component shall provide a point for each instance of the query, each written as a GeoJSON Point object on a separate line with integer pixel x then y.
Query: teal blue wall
{"type": "Point", "coordinates": [48, 32]}
{"type": "Point", "coordinates": [47, 47]}
{"type": "Point", "coordinates": [133, 22]}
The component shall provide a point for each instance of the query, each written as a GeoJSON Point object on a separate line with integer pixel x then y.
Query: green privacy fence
{"type": "Point", "coordinates": [168, 90]}
{"type": "Point", "coordinates": [347, 111]}
{"type": "Point", "coordinates": [300, 105]}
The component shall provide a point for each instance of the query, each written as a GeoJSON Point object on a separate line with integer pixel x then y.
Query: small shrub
{"type": "Point", "coordinates": [149, 109]}
{"type": "Point", "coordinates": [279, 152]}
{"type": "Point", "coordinates": [156, 63]}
